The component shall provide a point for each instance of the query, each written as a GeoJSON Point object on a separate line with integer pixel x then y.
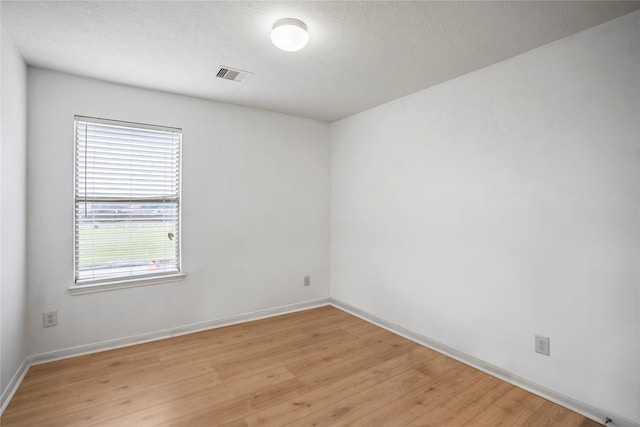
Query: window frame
{"type": "Point", "coordinates": [107, 284]}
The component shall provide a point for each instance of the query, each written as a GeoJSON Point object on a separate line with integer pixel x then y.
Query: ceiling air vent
{"type": "Point", "coordinates": [232, 74]}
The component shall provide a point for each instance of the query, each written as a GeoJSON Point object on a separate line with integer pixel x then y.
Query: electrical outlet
{"type": "Point", "coordinates": [307, 280]}
{"type": "Point", "coordinates": [50, 319]}
{"type": "Point", "coordinates": [542, 345]}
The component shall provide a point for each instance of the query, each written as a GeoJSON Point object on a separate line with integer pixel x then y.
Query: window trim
{"type": "Point", "coordinates": [130, 282]}
{"type": "Point", "coordinates": [103, 285]}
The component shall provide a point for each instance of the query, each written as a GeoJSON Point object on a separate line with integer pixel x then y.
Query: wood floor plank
{"type": "Point", "coordinates": [161, 411]}
{"type": "Point", "coordinates": [235, 423]}
{"type": "Point", "coordinates": [440, 388]}
{"type": "Point", "coordinates": [348, 410]}
{"type": "Point", "coordinates": [281, 356]}
{"type": "Point", "coordinates": [40, 376]}
{"type": "Point", "coordinates": [236, 408]}
{"type": "Point", "coordinates": [552, 415]}
{"type": "Point", "coordinates": [325, 357]}
{"type": "Point", "coordinates": [470, 397]}
{"type": "Point", "coordinates": [320, 398]}
{"type": "Point", "coordinates": [514, 408]}
{"type": "Point", "coordinates": [315, 367]}
{"type": "Point", "coordinates": [107, 402]}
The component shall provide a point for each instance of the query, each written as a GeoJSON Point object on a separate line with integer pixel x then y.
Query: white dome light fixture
{"type": "Point", "coordinates": [289, 34]}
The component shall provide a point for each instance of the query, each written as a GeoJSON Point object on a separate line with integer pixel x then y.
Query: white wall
{"type": "Point", "coordinates": [13, 176]}
{"type": "Point", "coordinates": [504, 204]}
{"type": "Point", "coordinates": [255, 212]}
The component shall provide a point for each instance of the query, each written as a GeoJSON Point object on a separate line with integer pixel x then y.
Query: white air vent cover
{"type": "Point", "coordinates": [232, 74]}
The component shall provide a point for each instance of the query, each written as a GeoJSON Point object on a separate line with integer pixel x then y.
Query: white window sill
{"type": "Point", "coordinates": [124, 284]}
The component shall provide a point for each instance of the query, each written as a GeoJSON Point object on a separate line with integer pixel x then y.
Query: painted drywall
{"type": "Point", "coordinates": [505, 204]}
{"type": "Point", "coordinates": [255, 206]}
{"type": "Point", "coordinates": [13, 213]}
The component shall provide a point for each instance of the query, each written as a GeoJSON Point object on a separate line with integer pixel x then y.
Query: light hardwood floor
{"type": "Point", "coordinates": [320, 367]}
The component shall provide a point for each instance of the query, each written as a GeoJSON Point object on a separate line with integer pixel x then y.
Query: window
{"type": "Point", "coordinates": [127, 202]}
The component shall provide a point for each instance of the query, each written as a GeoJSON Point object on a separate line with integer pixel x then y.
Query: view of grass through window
{"type": "Point", "coordinates": [138, 245]}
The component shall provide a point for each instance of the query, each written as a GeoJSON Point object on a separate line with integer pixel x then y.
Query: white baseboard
{"type": "Point", "coordinates": [588, 411]}
{"type": "Point", "coordinates": [52, 356]}
{"type": "Point", "coordinates": [12, 387]}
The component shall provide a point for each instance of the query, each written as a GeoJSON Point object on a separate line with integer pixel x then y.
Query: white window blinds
{"type": "Point", "coordinates": [127, 200]}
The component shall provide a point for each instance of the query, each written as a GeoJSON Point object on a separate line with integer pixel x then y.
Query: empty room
{"type": "Point", "coordinates": [320, 213]}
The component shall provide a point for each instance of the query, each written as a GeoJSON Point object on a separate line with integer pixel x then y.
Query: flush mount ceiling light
{"type": "Point", "coordinates": [289, 34]}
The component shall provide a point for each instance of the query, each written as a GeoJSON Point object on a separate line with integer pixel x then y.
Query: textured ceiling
{"type": "Point", "coordinates": [360, 54]}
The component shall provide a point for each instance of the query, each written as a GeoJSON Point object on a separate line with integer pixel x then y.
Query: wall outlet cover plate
{"type": "Point", "coordinates": [542, 345]}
